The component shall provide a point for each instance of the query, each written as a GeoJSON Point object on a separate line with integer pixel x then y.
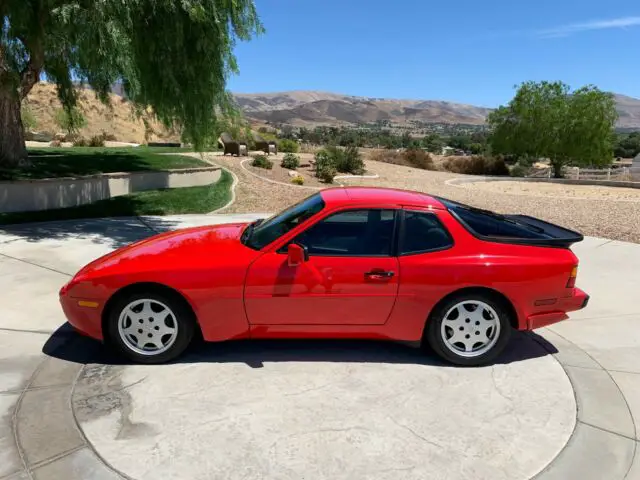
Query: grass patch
{"type": "Point", "coordinates": [77, 161]}
{"type": "Point", "coordinates": [167, 201]}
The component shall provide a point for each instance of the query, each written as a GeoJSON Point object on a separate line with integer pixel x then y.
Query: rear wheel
{"type": "Point", "coordinates": [469, 329]}
{"type": "Point", "coordinates": [150, 328]}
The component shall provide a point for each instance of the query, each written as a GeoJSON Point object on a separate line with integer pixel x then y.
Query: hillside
{"type": "Point", "coordinates": [309, 108]}
{"type": "Point", "coordinates": [316, 108]}
{"type": "Point", "coordinates": [116, 119]}
{"type": "Point", "coordinates": [298, 108]}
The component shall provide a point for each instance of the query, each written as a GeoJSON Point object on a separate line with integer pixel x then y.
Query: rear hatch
{"type": "Point", "coordinates": [517, 229]}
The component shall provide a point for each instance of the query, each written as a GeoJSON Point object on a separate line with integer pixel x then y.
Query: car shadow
{"type": "Point", "coordinates": [70, 346]}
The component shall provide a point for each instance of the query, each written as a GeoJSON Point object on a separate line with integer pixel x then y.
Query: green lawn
{"type": "Point", "coordinates": [70, 162]}
{"type": "Point", "coordinates": [167, 201]}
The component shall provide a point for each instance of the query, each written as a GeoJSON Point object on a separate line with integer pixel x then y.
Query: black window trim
{"type": "Point", "coordinates": [393, 250]}
{"type": "Point", "coordinates": [401, 235]}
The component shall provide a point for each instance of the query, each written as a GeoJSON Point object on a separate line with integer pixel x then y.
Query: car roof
{"type": "Point", "coordinates": [356, 195]}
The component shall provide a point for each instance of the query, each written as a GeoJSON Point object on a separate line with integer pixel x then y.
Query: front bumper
{"type": "Point", "coordinates": [87, 320]}
{"type": "Point", "coordinates": [577, 301]}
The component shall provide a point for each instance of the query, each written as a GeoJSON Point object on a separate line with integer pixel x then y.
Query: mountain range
{"type": "Point", "coordinates": [312, 108]}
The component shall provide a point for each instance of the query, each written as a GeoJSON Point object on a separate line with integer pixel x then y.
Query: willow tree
{"type": "Point", "coordinates": [549, 120]}
{"type": "Point", "coordinates": [171, 55]}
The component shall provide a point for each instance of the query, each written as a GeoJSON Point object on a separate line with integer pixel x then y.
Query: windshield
{"type": "Point", "coordinates": [262, 234]}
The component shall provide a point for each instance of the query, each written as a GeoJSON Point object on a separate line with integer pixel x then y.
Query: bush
{"type": "Point", "coordinates": [409, 158]}
{"type": "Point", "coordinates": [477, 165]}
{"type": "Point", "coordinates": [344, 160]}
{"type": "Point", "coordinates": [288, 146]}
{"type": "Point", "coordinates": [327, 173]}
{"type": "Point", "coordinates": [290, 161]}
{"type": "Point", "coordinates": [96, 141]}
{"type": "Point", "coordinates": [262, 161]}
{"type": "Point", "coordinates": [419, 159]}
{"type": "Point", "coordinates": [298, 180]}
{"type": "Point", "coordinates": [349, 160]}
{"type": "Point", "coordinates": [109, 137]}
{"type": "Point", "coordinates": [80, 142]}
{"type": "Point", "coordinates": [519, 170]}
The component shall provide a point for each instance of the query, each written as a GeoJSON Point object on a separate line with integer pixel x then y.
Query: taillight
{"type": "Point", "coordinates": [572, 278]}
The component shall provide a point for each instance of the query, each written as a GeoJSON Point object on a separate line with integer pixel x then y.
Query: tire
{"type": "Point", "coordinates": [149, 327]}
{"type": "Point", "coordinates": [469, 329]}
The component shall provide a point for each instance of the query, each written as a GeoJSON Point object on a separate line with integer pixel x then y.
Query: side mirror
{"type": "Point", "coordinates": [297, 254]}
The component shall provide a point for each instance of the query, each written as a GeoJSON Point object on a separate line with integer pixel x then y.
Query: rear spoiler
{"type": "Point", "coordinates": [560, 236]}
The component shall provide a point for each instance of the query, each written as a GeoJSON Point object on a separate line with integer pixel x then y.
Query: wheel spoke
{"type": "Point", "coordinates": [470, 328]}
{"type": "Point", "coordinates": [148, 327]}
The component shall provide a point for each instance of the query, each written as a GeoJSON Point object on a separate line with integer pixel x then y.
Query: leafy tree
{"type": "Point", "coordinates": [548, 120]}
{"type": "Point", "coordinates": [71, 121]}
{"type": "Point", "coordinates": [174, 56]}
{"type": "Point", "coordinates": [627, 145]}
{"type": "Point", "coordinates": [433, 143]}
{"type": "Point", "coordinates": [463, 142]}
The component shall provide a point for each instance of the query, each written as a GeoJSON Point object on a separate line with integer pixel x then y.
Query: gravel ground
{"type": "Point", "coordinates": [608, 218]}
{"type": "Point", "coordinates": [556, 190]}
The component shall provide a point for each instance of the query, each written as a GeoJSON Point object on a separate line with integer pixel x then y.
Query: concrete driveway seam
{"type": "Point", "coordinates": [35, 264]}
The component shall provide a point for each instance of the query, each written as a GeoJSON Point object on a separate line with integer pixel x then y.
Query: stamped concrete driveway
{"type": "Point", "coordinates": [562, 403]}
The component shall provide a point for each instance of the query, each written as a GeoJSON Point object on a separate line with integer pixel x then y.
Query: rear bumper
{"type": "Point", "coordinates": [577, 301]}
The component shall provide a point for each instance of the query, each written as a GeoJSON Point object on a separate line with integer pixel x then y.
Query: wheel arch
{"type": "Point", "coordinates": [147, 287]}
{"type": "Point", "coordinates": [497, 295]}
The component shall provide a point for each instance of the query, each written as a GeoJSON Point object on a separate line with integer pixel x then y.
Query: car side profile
{"type": "Point", "coordinates": [356, 262]}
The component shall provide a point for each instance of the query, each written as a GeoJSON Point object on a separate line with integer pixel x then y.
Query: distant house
{"type": "Point", "coordinates": [448, 151]}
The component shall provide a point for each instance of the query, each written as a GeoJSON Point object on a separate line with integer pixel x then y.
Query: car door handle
{"type": "Point", "coordinates": [379, 274]}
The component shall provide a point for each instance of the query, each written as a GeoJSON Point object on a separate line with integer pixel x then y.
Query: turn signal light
{"type": "Point", "coordinates": [572, 278]}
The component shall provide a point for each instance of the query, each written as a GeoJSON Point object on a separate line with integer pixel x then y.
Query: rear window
{"type": "Point", "coordinates": [489, 224]}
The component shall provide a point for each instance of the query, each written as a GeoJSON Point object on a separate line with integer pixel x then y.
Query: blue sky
{"type": "Point", "coordinates": [465, 51]}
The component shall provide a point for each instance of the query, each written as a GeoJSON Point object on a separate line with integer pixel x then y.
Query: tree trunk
{"type": "Point", "coordinates": [13, 151]}
{"type": "Point", "coordinates": [556, 166]}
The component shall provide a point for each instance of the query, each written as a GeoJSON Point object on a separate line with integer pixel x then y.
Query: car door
{"type": "Point", "coordinates": [350, 278]}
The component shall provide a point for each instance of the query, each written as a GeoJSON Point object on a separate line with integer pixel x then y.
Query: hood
{"type": "Point", "coordinates": [180, 249]}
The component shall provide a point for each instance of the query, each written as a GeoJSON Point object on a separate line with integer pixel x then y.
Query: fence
{"type": "Point", "coordinates": [623, 174]}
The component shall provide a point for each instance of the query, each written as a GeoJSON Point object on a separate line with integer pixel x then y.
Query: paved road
{"type": "Point", "coordinates": [562, 404]}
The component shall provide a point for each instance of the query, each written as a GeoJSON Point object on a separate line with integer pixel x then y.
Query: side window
{"type": "Point", "coordinates": [423, 232]}
{"type": "Point", "coordinates": [351, 233]}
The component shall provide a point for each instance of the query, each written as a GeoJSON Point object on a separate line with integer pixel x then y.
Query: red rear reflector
{"type": "Point", "coordinates": [572, 278]}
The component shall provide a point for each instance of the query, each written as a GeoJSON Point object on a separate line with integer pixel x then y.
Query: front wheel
{"type": "Point", "coordinates": [150, 328]}
{"type": "Point", "coordinates": [469, 329]}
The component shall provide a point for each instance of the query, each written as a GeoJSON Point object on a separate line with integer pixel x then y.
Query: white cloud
{"type": "Point", "coordinates": [570, 29]}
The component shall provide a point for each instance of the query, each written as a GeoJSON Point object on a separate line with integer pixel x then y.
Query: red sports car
{"type": "Point", "coordinates": [369, 263]}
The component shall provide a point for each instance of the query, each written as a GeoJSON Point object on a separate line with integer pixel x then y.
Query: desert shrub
{"type": "Point", "coordinates": [323, 159]}
{"type": "Point", "coordinates": [344, 160]}
{"type": "Point", "coordinates": [409, 158]}
{"type": "Point", "coordinates": [262, 161]}
{"type": "Point", "coordinates": [349, 160]}
{"type": "Point", "coordinates": [288, 146]}
{"type": "Point", "coordinates": [477, 165]}
{"type": "Point", "coordinates": [327, 173]}
{"type": "Point", "coordinates": [298, 180]}
{"type": "Point", "coordinates": [519, 170]}
{"type": "Point", "coordinates": [419, 159]}
{"type": "Point", "coordinates": [80, 142]}
{"type": "Point", "coordinates": [96, 141]}
{"type": "Point", "coordinates": [109, 137]}
{"type": "Point", "coordinates": [290, 161]}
